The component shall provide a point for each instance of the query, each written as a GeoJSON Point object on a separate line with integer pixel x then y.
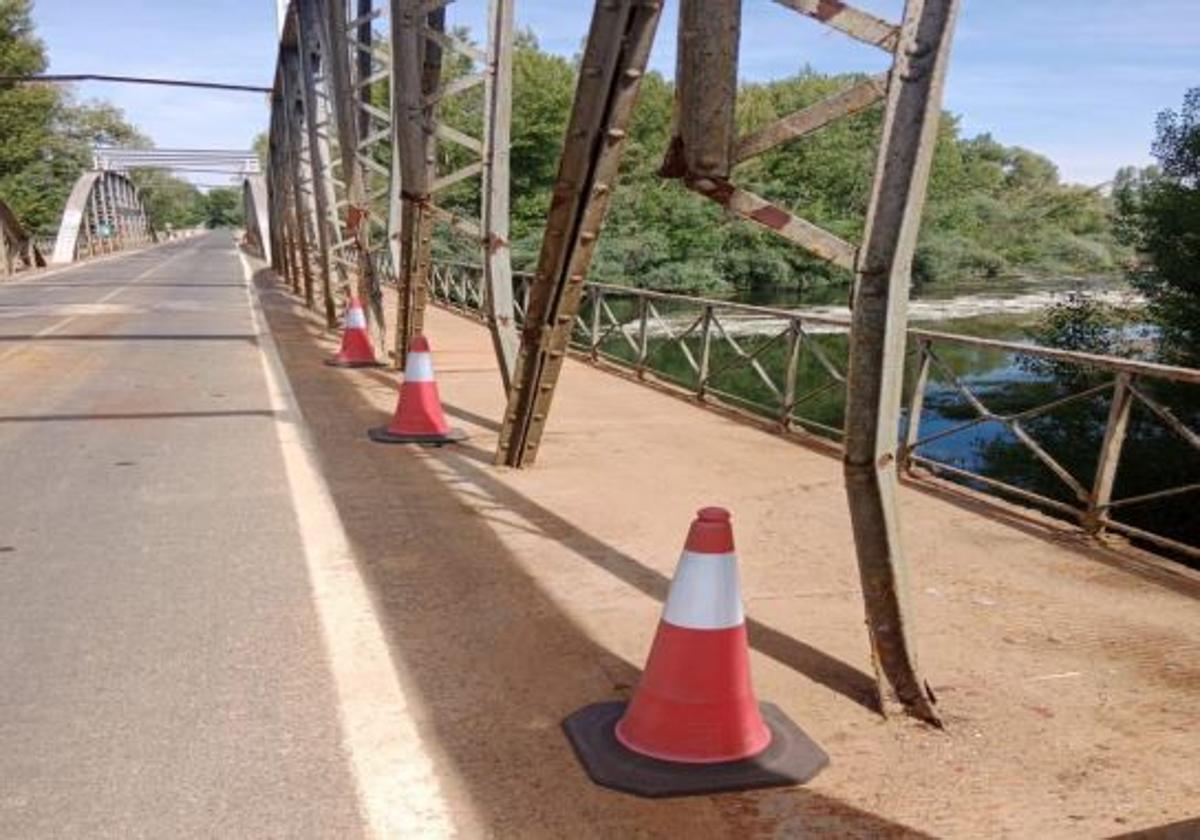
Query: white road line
{"type": "Point", "coordinates": [397, 785]}
{"type": "Point", "coordinates": [70, 319]}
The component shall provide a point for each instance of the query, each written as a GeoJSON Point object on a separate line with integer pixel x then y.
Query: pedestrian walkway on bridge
{"type": "Point", "coordinates": [234, 615]}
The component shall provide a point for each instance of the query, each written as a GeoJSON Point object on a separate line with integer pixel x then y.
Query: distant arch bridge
{"type": "Point", "coordinates": [104, 213]}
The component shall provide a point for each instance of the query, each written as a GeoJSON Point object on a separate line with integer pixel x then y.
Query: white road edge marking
{"type": "Point", "coordinates": [394, 774]}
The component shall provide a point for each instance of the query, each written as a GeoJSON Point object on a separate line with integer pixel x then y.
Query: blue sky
{"type": "Point", "coordinates": [1077, 80]}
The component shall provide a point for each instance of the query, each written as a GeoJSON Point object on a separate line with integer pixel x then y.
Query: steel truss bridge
{"type": "Point", "coordinates": [354, 190]}
{"type": "Point", "coordinates": [105, 211]}
{"type": "Point", "coordinates": [363, 169]}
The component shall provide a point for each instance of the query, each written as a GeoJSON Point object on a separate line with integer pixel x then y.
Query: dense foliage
{"type": "Point", "coordinates": [223, 208]}
{"type": "Point", "coordinates": [992, 210]}
{"type": "Point", "coordinates": [1159, 214]}
{"type": "Point", "coordinates": [46, 139]}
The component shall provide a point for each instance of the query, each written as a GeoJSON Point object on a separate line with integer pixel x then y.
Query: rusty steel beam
{"type": "Point", "coordinates": [810, 119]}
{"type": "Point", "coordinates": [704, 150]}
{"type": "Point", "coordinates": [706, 85]}
{"type": "Point", "coordinates": [877, 345]}
{"type": "Point", "coordinates": [702, 154]}
{"type": "Point", "coordinates": [345, 93]}
{"type": "Point", "coordinates": [849, 20]}
{"type": "Point", "coordinates": [417, 72]}
{"type": "Point", "coordinates": [614, 61]}
{"type": "Point", "coordinates": [307, 221]}
{"type": "Point", "coordinates": [420, 41]}
{"type": "Point", "coordinates": [367, 167]}
{"type": "Point", "coordinates": [497, 137]}
{"type": "Point", "coordinates": [313, 50]}
{"type": "Point", "coordinates": [774, 218]}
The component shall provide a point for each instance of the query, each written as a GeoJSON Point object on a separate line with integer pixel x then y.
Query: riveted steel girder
{"type": "Point", "coordinates": [368, 181]}
{"type": "Point", "coordinates": [703, 154]}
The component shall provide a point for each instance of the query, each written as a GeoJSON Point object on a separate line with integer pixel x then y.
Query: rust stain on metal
{"type": "Point", "coordinates": [674, 163]}
{"type": "Point", "coordinates": [771, 216]}
{"type": "Point", "coordinates": [718, 190]}
{"type": "Point", "coordinates": [420, 199]}
{"type": "Point", "coordinates": [827, 9]}
{"type": "Point", "coordinates": [354, 218]}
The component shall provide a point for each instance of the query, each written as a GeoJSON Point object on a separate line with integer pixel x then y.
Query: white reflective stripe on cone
{"type": "Point", "coordinates": [418, 368]}
{"type": "Point", "coordinates": [705, 594]}
{"type": "Point", "coordinates": [356, 320]}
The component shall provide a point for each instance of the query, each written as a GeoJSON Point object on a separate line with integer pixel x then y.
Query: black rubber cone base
{"type": "Point", "coordinates": [380, 434]}
{"type": "Point", "coordinates": [337, 364]}
{"type": "Point", "coordinates": [792, 758]}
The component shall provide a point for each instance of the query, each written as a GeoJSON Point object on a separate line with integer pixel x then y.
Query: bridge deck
{"type": "Point", "coordinates": [1067, 675]}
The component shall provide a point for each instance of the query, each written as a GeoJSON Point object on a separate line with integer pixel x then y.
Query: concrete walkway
{"type": "Point", "coordinates": [1068, 679]}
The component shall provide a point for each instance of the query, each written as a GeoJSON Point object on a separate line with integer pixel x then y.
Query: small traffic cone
{"type": "Point", "coordinates": [356, 351]}
{"type": "Point", "coordinates": [419, 417]}
{"type": "Point", "coordinates": [694, 725]}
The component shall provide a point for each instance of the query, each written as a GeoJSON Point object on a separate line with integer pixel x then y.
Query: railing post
{"type": "Point", "coordinates": [916, 406]}
{"type": "Point", "coordinates": [705, 348]}
{"type": "Point", "coordinates": [643, 320]}
{"type": "Point", "coordinates": [795, 339]}
{"type": "Point", "coordinates": [597, 309]}
{"type": "Point", "coordinates": [1110, 455]}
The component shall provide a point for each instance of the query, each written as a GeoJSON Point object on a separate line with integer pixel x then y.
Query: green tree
{"type": "Point", "coordinates": [47, 138]}
{"type": "Point", "coordinates": [223, 207]}
{"type": "Point", "coordinates": [1159, 211]}
{"type": "Point", "coordinates": [27, 116]}
{"type": "Point", "coordinates": [170, 201]}
{"type": "Point", "coordinates": [993, 209]}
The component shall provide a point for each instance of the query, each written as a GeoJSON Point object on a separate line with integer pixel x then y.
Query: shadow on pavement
{"type": "Point", "coordinates": [1186, 830]}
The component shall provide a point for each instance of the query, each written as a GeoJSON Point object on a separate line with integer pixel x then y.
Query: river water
{"type": "Point", "coordinates": [995, 308]}
{"type": "Point", "coordinates": [1005, 382]}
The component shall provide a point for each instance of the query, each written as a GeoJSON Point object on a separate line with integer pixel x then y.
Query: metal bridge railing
{"type": "Point", "coordinates": [790, 367]}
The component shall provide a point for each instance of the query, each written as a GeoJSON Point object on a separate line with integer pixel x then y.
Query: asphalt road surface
{"type": "Point", "coordinates": [161, 664]}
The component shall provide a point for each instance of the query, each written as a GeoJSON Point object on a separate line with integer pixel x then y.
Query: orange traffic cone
{"type": "Point", "coordinates": [419, 417]}
{"type": "Point", "coordinates": [356, 351]}
{"type": "Point", "coordinates": [694, 725]}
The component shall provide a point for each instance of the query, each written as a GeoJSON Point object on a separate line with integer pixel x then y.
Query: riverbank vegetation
{"type": "Point", "coordinates": [993, 210]}
{"type": "Point", "coordinates": [1158, 214]}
